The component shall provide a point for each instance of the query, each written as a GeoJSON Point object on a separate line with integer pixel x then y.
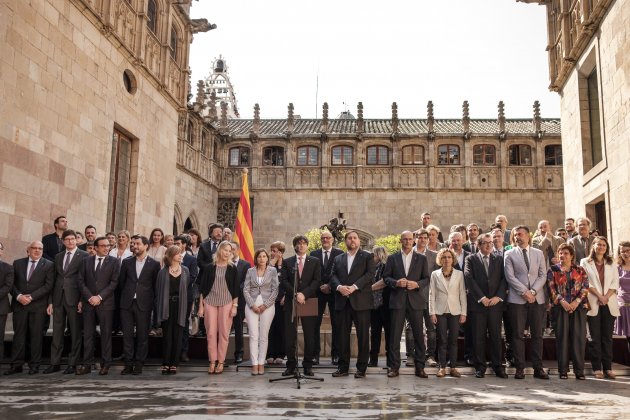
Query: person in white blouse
{"type": "Point", "coordinates": [447, 307]}
{"type": "Point", "coordinates": [260, 291]}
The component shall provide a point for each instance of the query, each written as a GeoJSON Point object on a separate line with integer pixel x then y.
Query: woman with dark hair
{"type": "Point", "coordinates": [603, 280]}
{"type": "Point", "coordinates": [568, 291]}
{"type": "Point", "coordinates": [277, 349]}
{"type": "Point", "coordinates": [156, 245]}
{"type": "Point", "coordinates": [623, 296]}
{"type": "Point", "coordinates": [379, 316]}
{"type": "Point", "coordinates": [171, 288]}
{"type": "Point", "coordinates": [260, 291]}
{"type": "Point", "coordinates": [195, 241]}
{"type": "Point", "coordinates": [218, 302]}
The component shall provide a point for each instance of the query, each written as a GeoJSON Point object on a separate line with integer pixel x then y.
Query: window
{"type": "Point", "coordinates": [520, 155]}
{"type": "Point", "coordinates": [189, 134]}
{"type": "Point", "coordinates": [553, 155]}
{"type": "Point", "coordinates": [484, 155]}
{"type": "Point", "coordinates": [448, 154]}
{"type": "Point", "coordinates": [273, 156]}
{"type": "Point", "coordinates": [119, 182]}
{"type": "Point", "coordinates": [204, 142]}
{"type": "Point", "coordinates": [342, 155]}
{"type": "Point", "coordinates": [173, 43]}
{"type": "Point", "coordinates": [307, 156]}
{"type": "Point", "coordinates": [215, 151]}
{"type": "Point", "coordinates": [593, 117]}
{"type": "Point", "coordinates": [152, 16]}
{"type": "Point", "coordinates": [377, 155]}
{"type": "Point", "coordinates": [239, 156]}
{"type": "Point", "coordinates": [413, 155]}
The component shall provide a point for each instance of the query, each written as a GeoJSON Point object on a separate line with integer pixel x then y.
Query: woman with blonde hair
{"type": "Point", "coordinates": [218, 302]}
{"type": "Point", "coordinates": [260, 291]}
{"type": "Point", "coordinates": [434, 243]}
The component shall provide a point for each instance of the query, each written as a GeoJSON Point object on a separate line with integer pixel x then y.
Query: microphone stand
{"type": "Point", "coordinates": [298, 376]}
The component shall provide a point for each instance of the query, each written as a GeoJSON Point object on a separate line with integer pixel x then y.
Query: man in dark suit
{"type": "Point", "coordinates": [209, 246]}
{"type": "Point", "coordinates": [472, 231]}
{"type": "Point", "coordinates": [456, 242]}
{"type": "Point", "coordinates": [34, 277]}
{"type": "Point", "coordinates": [64, 303]}
{"type": "Point", "coordinates": [183, 242]}
{"type": "Point", "coordinates": [90, 236]}
{"type": "Point", "coordinates": [422, 240]}
{"type": "Point", "coordinates": [241, 271]}
{"type": "Point", "coordinates": [6, 285]}
{"type": "Point", "coordinates": [52, 242]}
{"type": "Point", "coordinates": [352, 275]}
{"type": "Point", "coordinates": [486, 286]}
{"type": "Point", "coordinates": [97, 280]}
{"type": "Point", "coordinates": [325, 295]}
{"type": "Point", "coordinates": [301, 280]}
{"type": "Point", "coordinates": [582, 242]}
{"type": "Point", "coordinates": [137, 289]}
{"type": "Point", "coordinates": [406, 274]}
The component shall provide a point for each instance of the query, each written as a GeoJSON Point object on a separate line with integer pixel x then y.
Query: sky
{"type": "Point", "coordinates": [405, 51]}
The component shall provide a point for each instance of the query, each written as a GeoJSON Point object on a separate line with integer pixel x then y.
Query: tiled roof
{"type": "Point", "coordinates": [270, 127]}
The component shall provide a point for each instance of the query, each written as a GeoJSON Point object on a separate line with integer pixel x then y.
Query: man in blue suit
{"type": "Point", "coordinates": [526, 277]}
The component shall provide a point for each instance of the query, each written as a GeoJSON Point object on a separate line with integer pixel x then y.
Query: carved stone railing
{"type": "Point", "coordinates": [188, 157]}
{"type": "Point", "coordinates": [124, 20]}
{"type": "Point", "coordinates": [449, 178]}
{"type": "Point", "coordinates": [344, 177]}
{"type": "Point", "coordinates": [377, 178]}
{"type": "Point", "coordinates": [521, 178]}
{"type": "Point", "coordinates": [174, 80]}
{"type": "Point", "coordinates": [553, 178]}
{"type": "Point", "coordinates": [485, 177]}
{"type": "Point", "coordinates": [413, 177]}
{"type": "Point", "coordinates": [269, 177]}
{"type": "Point", "coordinates": [152, 51]}
{"type": "Point", "coordinates": [231, 179]}
{"type": "Point", "coordinates": [307, 177]}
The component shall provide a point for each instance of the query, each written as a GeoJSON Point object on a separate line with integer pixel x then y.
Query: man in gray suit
{"type": "Point", "coordinates": [582, 242]}
{"type": "Point", "coordinates": [63, 303]}
{"type": "Point", "coordinates": [526, 277]}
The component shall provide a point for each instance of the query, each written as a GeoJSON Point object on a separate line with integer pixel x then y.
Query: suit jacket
{"type": "Point", "coordinates": [308, 284]}
{"type": "Point", "coordinates": [431, 257]}
{"type": "Point", "coordinates": [456, 265]}
{"type": "Point", "coordinates": [6, 285]}
{"type": "Point", "coordinates": [549, 247]}
{"type": "Point", "coordinates": [39, 286]}
{"type": "Point", "coordinates": [479, 284]}
{"type": "Point", "coordinates": [470, 247]}
{"type": "Point", "coordinates": [241, 271]}
{"type": "Point", "coordinates": [102, 283]}
{"type": "Point", "coordinates": [580, 252]}
{"type": "Point", "coordinates": [611, 282]}
{"type": "Point", "coordinates": [326, 274]}
{"type": "Point", "coordinates": [207, 280]}
{"type": "Point", "coordinates": [190, 262]}
{"type": "Point", "coordinates": [52, 246]}
{"type": "Point", "coordinates": [268, 289]}
{"type": "Point", "coordinates": [519, 279]}
{"type": "Point", "coordinates": [66, 286]}
{"type": "Point", "coordinates": [449, 296]}
{"type": "Point", "coordinates": [418, 272]}
{"type": "Point", "coordinates": [204, 256]}
{"type": "Point", "coordinates": [361, 274]}
{"type": "Point", "coordinates": [143, 287]}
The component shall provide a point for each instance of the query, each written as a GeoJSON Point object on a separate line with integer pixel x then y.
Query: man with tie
{"type": "Point", "coordinates": [472, 230]}
{"type": "Point", "coordinates": [301, 280]}
{"type": "Point", "coordinates": [34, 279]}
{"type": "Point", "coordinates": [209, 247]}
{"type": "Point", "coordinates": [97, 280]}
{"type": "Point", "coordinates": [241, 271]}
{"type": "Point", "coordinates": [6, 285]}
{"type": "Point", "coordinates": [64, 303]}
{"type": "Point", "coordinates": [582, 241]}
{"type": "Point", "coordinates": [485, 282]}
{"type": "Point", "coordinates": [352, 275]}
{"type": "Point", "coordinates": [137, 289]}
{"type": "Point", "coordinates": [526, 277]}
{"type": "Point", "coordinates": [52, 242]}
{"type": "Point", "coordinates": [326, 255]}
{"type": "Point", "coordinates": [406, 274]}
{"type": "Point", "coordinates": [422, 240]}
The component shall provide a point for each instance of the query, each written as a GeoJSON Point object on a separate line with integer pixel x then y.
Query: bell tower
{"type": "Point", "coordinates": [219, 89]}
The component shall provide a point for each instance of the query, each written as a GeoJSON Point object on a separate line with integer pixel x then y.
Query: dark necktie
{"type": "Point", "coordinates": [526, 259]}
{"type": "Point", "coordinates": [98, 266]}
{"type": "Point", "coordinates": [325, 258]}
{"type": "Point", "coordinates": [67, 261]}
{"type": "Point", "coordinates": [30, 270]}
{"type": "Point", "coordinates": [485, 264]}
{"type": "Point", "coordinates": [214, 247]}
{"type": "Point", "coordinates": [585, 245]}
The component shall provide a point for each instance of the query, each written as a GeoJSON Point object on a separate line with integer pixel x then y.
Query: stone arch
{"type": "Point", "coordinates": [178, 221]}
{"type": "Point", "coordinates": [193, 219]}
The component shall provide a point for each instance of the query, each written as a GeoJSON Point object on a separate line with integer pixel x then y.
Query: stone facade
{"type": "Point", "coordinates": [589, 63]}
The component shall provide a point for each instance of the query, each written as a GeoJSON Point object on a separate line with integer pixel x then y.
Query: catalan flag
{"type": "Point", "coordinates": [244, 229]}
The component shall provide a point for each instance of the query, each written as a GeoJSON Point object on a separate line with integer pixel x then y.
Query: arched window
{"type": "Point", "coordinates": [520, 155]}
{"type": "Point", "coordinates": [553, 155]}
{"type": "Point", "coordinates": [377, 155]}
{"type": "Point", "coordinates": [448, 154]}
{"type": "Point", "coordinates": [215, 151]}
{"type": "Point", "coordinates": [152, 16]}
{"type": "Point", "coordinates": [189, 134]}
{"type": "Point", "coordinates": [484, 155]}
{"type": "Point", "coordinates": [173, 43]}
{"type": "Point", "coordinates": [342, 155]}
{"type": "Point", "coordinates": [413, 155]}
{"type": "Point", "coordinates": [307, 156]}
{"type": "Point", "coordinates": [204, 141]}
{"type": "Point", "coordinates": [239, 156]}
{"type": "Point", "coordinates": [273, 156]}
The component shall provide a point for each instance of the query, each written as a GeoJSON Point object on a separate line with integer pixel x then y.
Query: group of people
{"type": "Point", "coordinates": [473, 284]}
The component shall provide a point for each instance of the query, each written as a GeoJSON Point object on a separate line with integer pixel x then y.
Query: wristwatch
{"type": "Point", "coordinates": [532, 291]}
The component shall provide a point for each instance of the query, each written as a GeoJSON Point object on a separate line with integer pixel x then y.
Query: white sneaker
{"type": "Point", "coordinates": [431, 362]}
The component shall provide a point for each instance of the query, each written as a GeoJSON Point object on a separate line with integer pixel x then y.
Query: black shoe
{"type": "Point", "coordinates": [373, 363]}
{"type": "Point", "coordinates": [128, 370]}
{"type": "Point", "coordinates": [315, 361]}
{"type": "Point", "coordinates": [470, 362]}
{"type": "Point", "coordinates": [69, 370]}
{"type": "Point", "coordinates": [500, 373]}
{"type": "Point", "coordinates": [580, 377]}
{"type": "Point", "coordinates": [52, 369]}
{"type": "Point", "coordinates": [420, 373]}
{"type": "Point", "coordinates": [137, 369]}
{"type": "Point", "coordinates": [393, 373]}
{"type": "Point", "coordinates": [13, 370]}
{"type": "Point", "coordinates": [184, 357]}
{"type": "Point", "coordinates": [519, 374]}
{"type": "Point", "coordinates": [104, 370]}
{"type": "Point", "coordinates": [541, 374]}
{"type": "Point", "coordinates": [289, 372]}
{"type": "Point", "coordinates": [33, 371]}
{"type": "Point", "coordinates": [563, 375]}
{"type": "Point", "coordinates": [480, 374]}
{"type": "Point", "coordinates": [335, 360]}
{"type": "Point", "coordinates": [359, 374]}
{"type": "Point", "coordinates": [308, 372]}
{"type": "Point", "coordinates": [84, 370]}
{"type": "Point", "coordinates": [238, 358]}
{"type": "Point", "coordinates": [339, 373]}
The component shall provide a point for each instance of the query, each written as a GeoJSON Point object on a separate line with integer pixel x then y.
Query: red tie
{"type": "Point", "coordinates": [300, 265]}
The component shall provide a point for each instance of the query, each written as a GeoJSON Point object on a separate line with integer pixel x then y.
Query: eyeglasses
{"type": "Point", "coordinates": [486, 243]}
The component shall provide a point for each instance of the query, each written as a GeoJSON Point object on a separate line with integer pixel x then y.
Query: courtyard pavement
{"type": "Point", "coordinates": [192, 394]}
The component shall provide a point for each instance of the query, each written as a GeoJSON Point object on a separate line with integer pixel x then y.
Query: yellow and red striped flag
{"type": "Point", "coordinates": [244, 230]}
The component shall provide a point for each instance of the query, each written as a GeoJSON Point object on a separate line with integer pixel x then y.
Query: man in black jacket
{"type": "Point", "coordinates": [6, 285]}
{"type": "Point", "coordinates": [53, 243]}
{"type": "Point", "coordinates": [241, 271]}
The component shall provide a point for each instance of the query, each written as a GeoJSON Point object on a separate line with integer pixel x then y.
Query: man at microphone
{"type": "Point", "coordinates": [303, 271]}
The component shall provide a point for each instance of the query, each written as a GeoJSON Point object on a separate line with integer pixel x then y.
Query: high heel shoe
{"type": "Point", "coordinates": [172, 370]}
{"type": "Point", "coordinates": [219, 369]}
{"type": "Point", "coordinates": [211, 368]}
{"type": "Point", "coordinates": [164, 369]}
{"type": "Point", "coordinates": [254, 370]}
